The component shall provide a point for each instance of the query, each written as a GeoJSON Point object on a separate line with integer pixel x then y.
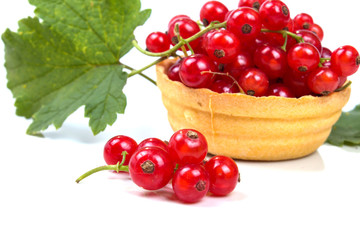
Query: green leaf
{"type": "Point", "coordinates": [71, 58]}
{"type": "Point", "coordinates": [347, 130]}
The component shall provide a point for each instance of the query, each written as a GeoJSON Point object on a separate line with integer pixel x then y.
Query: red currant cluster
{"type": "Point", "coordinates": [256, 49]}
{"type": "Point", "coordinates": [152, 164]}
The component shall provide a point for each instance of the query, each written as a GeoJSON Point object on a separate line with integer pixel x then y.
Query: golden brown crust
{"type": "Point", "coordinates": [251, 128]}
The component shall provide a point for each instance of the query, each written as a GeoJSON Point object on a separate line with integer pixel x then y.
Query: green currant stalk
{"type": "Point", "coordinates": [299, 39]}
{"type": "Point", "coordinates": [119, 167]}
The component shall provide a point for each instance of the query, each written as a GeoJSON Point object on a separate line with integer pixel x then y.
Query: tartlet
{"type": "Point", "coordinates": [251, 128]}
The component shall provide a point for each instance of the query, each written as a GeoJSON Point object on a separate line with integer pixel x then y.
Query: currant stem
{"type": "Point", "coordinates": [134, 72]}
{"type": "Point", "coordinates": [344, 87]}
{"type": "Point", "coordinates": [141, 74]}
{"type": "Point", "coordinates": [172, 51]}
{"type": "Point", "coordinates": [117, 167]}
{"type": "Point", "coordinates": [228, 75]}
{"type": "Point", "coordinates": [299, 39]}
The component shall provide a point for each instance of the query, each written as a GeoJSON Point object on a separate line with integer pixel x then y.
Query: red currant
{"type": "Point", "coordinates": [195, 71]}
{"type": "Point", "coordinates": [153, 142]}
{"type": "Point", "coordinates": [303, 21]}
{"type": "Point", "coordinates": [213, 11]}
{"type": "Point", "coordinates": [280, 90]}
{"type": "Point", "coordinates": [176, 18]}
{"type": "Point", "coordinates": [310, 37]}
{"type": "Point", "coordinates": [271, 60]}
{"type": "Point", "coordinates": [297, 82]}
{"type": "Point", "coordinates": [323, 81]}
{"type": "Point", "coordinates": [173, 71]}
{"type": "Point", "coordinates": [187, 28]}
{"type": "Point", "coordinates": [245, 23]}
{"type": "Point", "coordinates": [115, 146]}
{"type": "Point", "coordinates": [224, 84]}
{"type": "Point", "coordinates": [315, 28]}
{"type": "Point", "coordinates": [303, 57]}
{"type": "Point", "coordinates": [222, 46]}
{"type": "Point", "coordinates": [190, 183]}
{"type": "Point", "coordinates": [157, 42]}
{"type": "Point", "coordinates": [188, 146]}
{"type": "Point", "coordinates": [326, 53]}
{"type": "Point", "coordinates": [223, 174]}
{"type": "Point", "coordinates": [345, 61]}
{"type": "Point", "coordinates": [256, 4]}
{"type": "Point", "coordinates": [151, 168]}
{"type": "Point", "coordinates": [254, 82]}
{"type": "Point", "coordinates": [274, 14]}
{"type": "Point", "coordinates": [242, 61]}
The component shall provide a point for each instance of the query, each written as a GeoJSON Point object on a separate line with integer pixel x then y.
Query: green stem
{"type": "Point", "coordinates": [134, 72]}
{"type": "Point", "coordinates": [117, 167]}
{"type": "Point", "coordinates": [141, 74]}
{"type": "Point", "coordinates": [344, 87]}
{"type": "Point", "coordinates": [299, 39]}
{"type": "Point", "coordinates": [170, 52]}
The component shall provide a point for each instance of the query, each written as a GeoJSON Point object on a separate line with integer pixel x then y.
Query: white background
{"type": "Point", "coordinates": [316, 197]}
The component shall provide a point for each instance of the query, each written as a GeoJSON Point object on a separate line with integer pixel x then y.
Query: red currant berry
{"type": "Point", "coordinates": [222, 46]}
{"type": "Point", "coordinates": [342, 81]}
{"type": "Point", "coordinates": [153, 142]}
{"type": "Point", "coordinates": [187, 28]}
{"type": "Point", "coordinates": [326, 53]}
{"type": "Point", "coordinates": [223, 174]}
{"type": "Point", "coordinates": [115, 146]}
{"type": "Point", "coordinates": [245, 23]}
{"type": "Point", "coordinates": [271, 60]}
{"type": "Point", "coordinates": [323, 81]}
{"type": "Point", "coordinates": [303, 57]}
{"type": "Point", "coordinates": [188, 146]}
{"type": "Point", "coordinates": [151, 168]}
{"type": "Point", "coordinates": [297, 82]}
{"type": "Point", "coordinates": [254, 82]}
{"type": "Point", "coordinates": [310, 37]}
{"type": "Point", "coordinates": [274, 14]}
{"type": "Point", "coordinates": [256, 4]}
{"type": "Point", "coordinates": [157, 42]}
{"type": "Point", "coordinates": [303, 21]}
{"type": "Point", "coordinates": [173, 71]}
{"type": "Point", "coordinates": [224, 84]}
{"type": "Point", "coordinates": [243, 60]}
{"type": "Point", "coordinates": [176, 18]}
{"type": "Point", "coordinates": [345, 61]}
{"type": "Point", "coordinates": [315, 28]}
{"type": "Point", "coordinates": [213, 11]}
{"type": "Point", "coordinates": [195, 71]}
{"type": "Point", "coordinates": [280, 90]}
{"type": "Point", "coordinates": [190, 183]}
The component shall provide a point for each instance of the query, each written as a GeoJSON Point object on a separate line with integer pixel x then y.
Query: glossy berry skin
{"type": "Point", "coordinates": [274, 14]}
{"type": "Point", "coordinates": [323, 81]}
{"type": "Point", "coordinates": [303, 57]}
{"type": "Point", "coordinates": [213, 11]}
{"type": "Point", "coordinates": [158, 42]}
{"type": "Point", "coordinates": [297, 82]}
{"type": "Point", "coordinates": [310, 37]}
{"type": "Point", "coordinates": [315, 28]}
{"type": "Point", "coordinates": [345, 61]}
{"type": "Point", "coordinates": [224, 84]}
{"type": "Point", "coordinates": [254, 82]}
{"type": "Point", "coordinates": [303, 21]}
{"type": "Point", "coordinates": [187, 146]}
{"type": "Point", "coordinates": [326, 53]}
{"type": "Point", "coordinates": [192, 70]}
{"type": "Point", "coordinates": [173, 71]}
{"type": "Point", "coordinates": [115, 146]}
{"type": "Point", "coordinates": [222, 46]}
{"type": "Point", "coordinates": [280, 90]}
{"type": "Point", "coordinates": [153, 142]}
{"type": "Point", "coordinates": [151, 168]}
{"type": "Point", "coordinates": [223, 174]}
{"type": "Point", "coordinates": [176, 18]}
{"type": "Point", "coordinates": [256, 4]}
{"type": "Point", "coordinates": [190, 183]}
{"type": "Point", "coordinates": [187, 28]}
{"type": "Point", "coordinates": [243, 61]}
{"type": "Point", "coordinates": [271, 60]}
{"type": "Point", "coordinates": [245, 23]}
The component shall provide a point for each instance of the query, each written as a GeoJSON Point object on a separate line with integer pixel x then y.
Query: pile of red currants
{"type": "Point", "coordinates": [256, 49]}
{"type": "Point", "coordinates": [153, 163]}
